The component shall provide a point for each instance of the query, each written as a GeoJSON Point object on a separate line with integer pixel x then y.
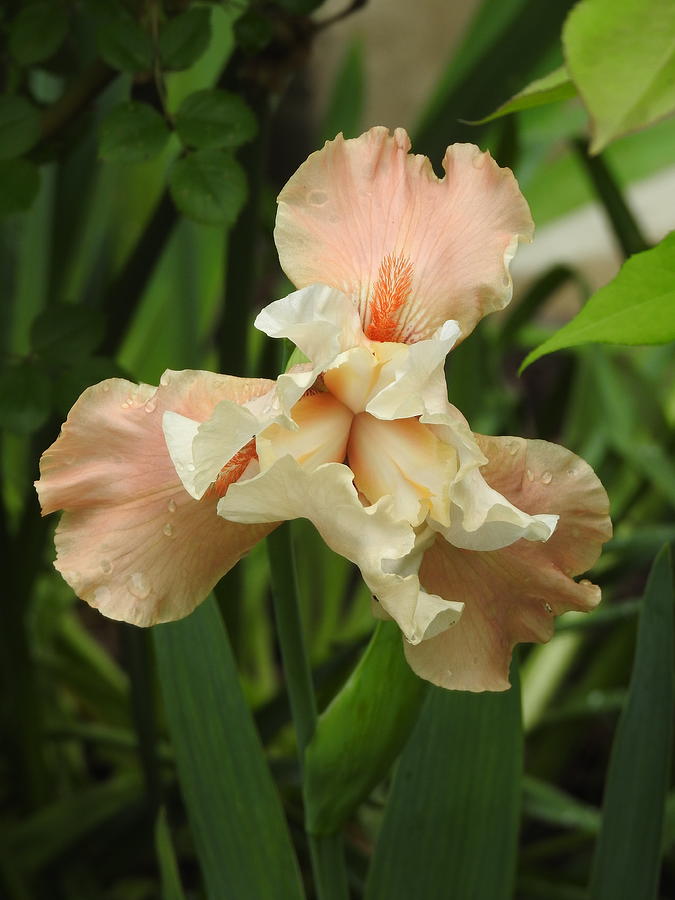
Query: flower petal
{"type": "Point", "coordinates": [126, 543]}
{"type": "Point", "coordinates": [368, 218]}
{"type": "Point", "coordinates": [386, 549]}
{"type": "Point", "coordinates": [512, 594]}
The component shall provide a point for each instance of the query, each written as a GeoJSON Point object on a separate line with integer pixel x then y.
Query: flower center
{"type": "Point", "coordinates": [392, 289]}
{"type": "Point", "coordinates": [232, 471]}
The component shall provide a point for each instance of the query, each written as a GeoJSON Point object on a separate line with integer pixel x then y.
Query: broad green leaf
{"type": "Point", "coordinates": [236, 817]}
{"type": "Point", "coordinates": [37, 32]}
{"type": "Point", "coordinates": [212, 119]}
{"type": "Point", "coordinates": [621, 57]}
{"type": "Point", "coordinates": [65, 331]}
{"type": "Point", "coordinates": [132, 132]}
{"type": "Point", "coordinates": [450, 827]}
{"type": "Point", "coordinates": [123, 44]}
{"type": "Point", "coordinates": [208, 186]}
{"type": "Point", "coordinates": [172, 889]}
{"type": "Point", "coordinates": [361, 732]}
{"type": "Point", "coordinates": [628, 855]}
{"type": "Point", "coordinates": [25, 397]}
{"type": "Point", "coordinates": [550, 89]}
{"type": "Point", "coordinates": [19, 185]}
{"type": "Point", "coordinates": [184, 38]}
{"type": "Point", "coordinates": [19, 126]}
{"type": "Point", "coordinates": [637, 307]}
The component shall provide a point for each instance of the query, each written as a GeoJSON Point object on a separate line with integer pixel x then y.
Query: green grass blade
{"type": "Point", "coordinates": [627, 857]}
{"type": "Point", "coordinates": [172, 889]}
{"type": "Point", "coordinates": [450, 827]}
{"type": "Point", "coordinates": [233, 807]}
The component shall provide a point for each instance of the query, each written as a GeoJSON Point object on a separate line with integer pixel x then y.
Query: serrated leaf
{"type": "Point", "coordinates": [184, 38]}
{"type": "Point", "coordinates": [19, 126]}
{"type": "Point", "coordinates": [552, 88]}
{"type": "Point", "coordinates": [123, 44]}
{"type": "Point", "coordinates": [236, 817]}
{"type": "Point", "coordinates": [132, 132]}
{"type": "Point", "coordinates": [64, 332]}
{"type": "Point", "coordinates": [622, 59]}
{"type": "Point", "coordinates": [208, 186]}
{"type": "Point", "coordinates": [628, 855]}
{"type": "Point", "coordinates": [637, 307]}
{"type": "Point", "coordinates": [212, 119]}
{"type": "Point", "coordinates": [25, 398]}
{"type": "Point", "coordinates": [19, 185]}
{"type": "Point", "coordinates": [37, 32]}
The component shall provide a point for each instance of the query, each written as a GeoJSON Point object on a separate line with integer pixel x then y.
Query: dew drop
{"type": "Point", "coordinates": [317, 198]}
{"type": "Point", "coordinates": [586, 583]}
{"type": "Point", "coordinates": [190, 467]}
{"type": "Point", "coordinates": [168, 529]}
{"type": "Point", "coordinates": [171, 506]}
{"type": "Point", "coordinates": [548, 608]}
{"type": "Point", "coordinates": [151, 405]}
{"type": "Point", "coordinates": [106, 566]}
{"type": "Point", "coordinates": [513, 449]}
{"type": "Point", "coordinates": [102, 594]}
{"type": "Point", "coordinates": [126, 405]}
{"type": "Point", "coordinates": [138, 585]}
{"type": "Point", "coordinates": [530, 475]}
{"type": "Point", "coordinates": [105, 387]}
{"type": "Point", "coordinates": [547, 478]}
{"type": "Point", "coordinates": [165, 379]}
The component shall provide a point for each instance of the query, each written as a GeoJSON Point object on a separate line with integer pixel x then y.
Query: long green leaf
{"type": "Point", "coordinates": [172, 889]}
{"type": "Point", "coordinates": [450, 827]}
{"type": "Point", "coordinates": [551, 88]}
{"type": "Point", "coordinates": [233, 807]}
{"type": "Point", "coordinates": [628, 854]}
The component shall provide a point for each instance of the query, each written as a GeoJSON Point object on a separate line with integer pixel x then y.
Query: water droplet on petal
{"type": "Point", "coordinates": [530, 475]}
{"type": "Point", "coordinates": [105, 387]}
{"type": "Point", "coordinates": [548, 608]}
{"type": "Point", "coordinates": [190, 467]}
{"type": "Point", "coordinates": [572, 472]}
{"type": "Point", "coordinates": [125, 405]}
{"type": "Point", "coordinates": [151, 405]}
{"type": "Point", "coordinates": [513, 449]}
{"type": "Point", "coordinates": [586, 583]}
{"type": "Point", "coordinates": [317, 198]}
{"type": "Point", "coordinates": [171, 506]}
{"type": "Point", "coordinates": [165, 379]}
{"type": "Point", "coordinates": [138, 585]}
{"type": "Point", "coordinates": [106, 566]}
{"type": "Point", "coordinates": [547, 478]}
{"type": "Point", "coordinates": [168, 529]}
{"type": "Point", "coordinates": [102, 594]}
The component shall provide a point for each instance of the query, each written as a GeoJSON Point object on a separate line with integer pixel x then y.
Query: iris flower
{"type": "Point", "coordinates": [470, 543]}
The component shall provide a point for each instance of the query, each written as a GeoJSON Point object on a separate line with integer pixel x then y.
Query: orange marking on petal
{"type": "Point", "coordinates": [392, 288]}
{"type": "Point", "coordinates": [232, 470]}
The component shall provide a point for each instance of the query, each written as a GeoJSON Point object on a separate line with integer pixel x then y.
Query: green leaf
{"type": "Point", "coordinates": [132, 132]}
{"type": "Point", "coordinates": [172, 889]}
{"type": "Point", "coordinates": [637, 307]}
{"type": "Point", "coordinates": [450, 826]}
{"type": "Point", "coordinates": [622, 60]}
{"type": "Point", "coordinates": [184, 38]}
{"type": "Point", "coordinates": [208, 186]}
{"type": "Point", "coordinates": [628, 854]}
{"type": "Point", "coordinates": [361, 732]}
{"type": "Point", "coordinates": [549, 804]}
{"type": "Point", "coordinates": [345, 106]}
{"type": "Point", "coordinates": [63, 332]}
{"type": "Point", "coordinates": [78, 377]}
{"type": "Point", "coordinates": [235, 814]}
{"type": "Point", "coordinates": [551, 88]}
{"type": "Point", "coordinates": [123, 44]}
{"type": "Point", "coordinates": [37, 32]}
{"type": "Point", "coordinates": [19, 126]}
{"type": "Point", "coordinates": [211, 119]}
{"type": "Point", "coordinates": [19, 185]}
{"type": "Point", "coordinates": [25, 398]}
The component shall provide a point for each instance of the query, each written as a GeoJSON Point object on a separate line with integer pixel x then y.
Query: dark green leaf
{"type": "Point", "coordinates": [77, 378]}
{"type": "Point", "coordinates": [25, 398]}
{"type": "Point", "coordinates": [208, 186]}
{"type": "Point", "coordinates": [123, 44]}
{"type": "Point", "coordinates": [450, 826]}
{"type": "Point", "coordinates": [236, 817]}
{"type": "Point", "coordinates": [361, 732]}
{"type": "Point", "coordinates": [37, 32]}
{"type": "Point", "coordinates": [628, 855]}
{"type": "Point", "coordinates": [211, 119]}
{"type": "Point", "coordinates": [19, 185]}
{"type": "Point", "coordinates": [19, 126]}
{"type": "Point", "coordinates": [183, 39]}
{"type": "Point", "coordinates": [132, 132]}
{"type": "Point", "coordinates": [172, 889]}
{"type": "Point", "coordinates": [551, 88]}
{"type": "Point", "coordinates": [64, 332]}
{"type": "Point", "coordinates": [551, 805]}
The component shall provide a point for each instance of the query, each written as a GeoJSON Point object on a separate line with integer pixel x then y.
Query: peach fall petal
{"type": "Point", "coordinates": [132, 542]}
{"type": "Point", "coordinates": [412, 251]}
{"type": "Point", "coordinates": [511, 595]}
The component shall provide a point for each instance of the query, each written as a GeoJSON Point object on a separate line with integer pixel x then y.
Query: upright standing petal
{"type": "Point", "coordinates": [132, 542]}
{"type": "Point", "coordinates": [412, 250]}
{"type": "Point", "coordinates": [512, 594]}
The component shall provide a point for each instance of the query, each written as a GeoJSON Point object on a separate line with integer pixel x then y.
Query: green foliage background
{"type": "Point", "coordinates": [137, 185]}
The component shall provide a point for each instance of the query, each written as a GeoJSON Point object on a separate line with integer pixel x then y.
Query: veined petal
{"type": "Point", "coordinates": [126, 543]}
{"type": "Point", "coordinates": [412, 250]}
{"type": "Point", "coordinates": [386, 549]}
{"type": "Point", "coordinates": [512, 594]}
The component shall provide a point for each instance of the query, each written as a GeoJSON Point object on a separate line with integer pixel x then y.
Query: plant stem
{"type": "Point", "coordinates": [326, 851]}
